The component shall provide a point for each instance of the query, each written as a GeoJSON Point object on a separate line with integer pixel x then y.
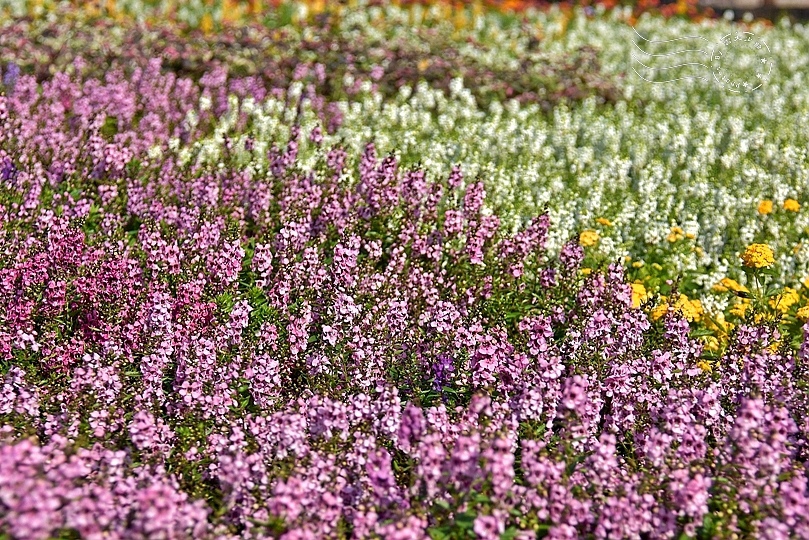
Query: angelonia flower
{"type": "Point", "coordinates": [231, 309]}
{"type": "Point", "coordinates": [572, 255]}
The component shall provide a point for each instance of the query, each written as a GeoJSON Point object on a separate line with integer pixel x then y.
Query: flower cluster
{"type": "Point", "coordinates": [226, 313]}
{"type": "Point", "coordinates": [757, 256]}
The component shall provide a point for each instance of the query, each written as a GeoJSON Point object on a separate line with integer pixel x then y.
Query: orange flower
{"type": "Point", "coordinates": [791, 205]}
{"type": "Point", "coordinates": [765, 207]}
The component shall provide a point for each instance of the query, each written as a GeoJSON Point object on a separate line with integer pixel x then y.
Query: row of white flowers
{"type": "Point", "coordinates": [685, 153]}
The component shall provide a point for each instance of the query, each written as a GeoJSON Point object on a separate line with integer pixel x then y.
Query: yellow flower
{"type": "Point", "coordinates": [639, 264]}
{"type": "Point", "coordinates": [460, 19]}
{"type": "Point", "coordinates": [588, 238]}
{"type": "Point", "coordinates": [696, 309]}
{"type": "Point", "coordinates": [477, 8]}
{"type": "Point", "coordinates": [803, 313]}
{"type": "Point", "coordinates": [765, 207]}
{"type": "Point", "coordinates": [704, 366]}
{"type": "Point", "coordinates": [719, 324]}
{"type": "Point", "coordinates": [230, 11]}
{"type": "Point", "coordinates": [711, 343]}
{"type": "Point", "coordinates": [729, 284]}
{"type": "Point", "coordinates": [659, 311]}
{"type": "Point", "coordinates": [255, 7]}
{"type": "Point", "coordinates": [785, 300]}
{"type": "Point", "coordinates": [797, 248]}
{"type": "Point", "coordinates": [317, 6]}
{"type": "Point", "coordinates": [206, 24]}
{"type": "Point", "coordinates": [657, 267]}
{"type": "Point", "coordinates": [639, 294]}
{"type": "Point", "coordinates": [690, 236]}
{"type": "Point", "coordinates": [791, 205]}
{"type": "Point", "coordinates": [604, 221]}
{"type": "Point", "coordinates": [691, 309]}
{"type": "Point", "coordinates": [740, 308]}
{"type": "Point", "coordinates": [675, 234]}
{"type": "Point", "coordinates": [722, 325]}
{"type": "Point", "coordinates": [586, 271]}
{"type": "Point", "coordinates": [757, 256]}
{"type": "Point", "coordinates": [773, 348]}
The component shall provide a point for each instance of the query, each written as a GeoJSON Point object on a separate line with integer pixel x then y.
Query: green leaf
{"type": "Point", "coordinates": [110, 127]}
{"type": "Point", "coordinates": [481, 498]}
{"type": "Point", "coordinates": [708, 526]}
{"type": "Point", "coordinates": [572, 465]}
{"type": "Point", "coordinates": [699, 332]}
{"type": "Point", "coordinates": [437, 533]}
{"type": "Point", "coordinates": [465, 520]}
{"type": "Point", "coordinates": [441, 503]}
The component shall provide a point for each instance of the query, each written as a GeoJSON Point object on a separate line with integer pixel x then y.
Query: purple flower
{"type": "Point", "coordinates": [571, 256]}
{"type": "Point", "coordinates": [443, 367]}
{"type": "Point", "coordinates": [10, 77]}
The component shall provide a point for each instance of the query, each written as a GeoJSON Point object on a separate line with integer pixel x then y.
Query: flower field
{"type": "Point", "coordinates": [377, 271]}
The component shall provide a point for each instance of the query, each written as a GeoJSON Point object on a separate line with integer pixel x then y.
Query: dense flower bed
{"type": "Point", "coordinates": [389, 61]}
{"type": "Point", "coordinates": [231, 309]}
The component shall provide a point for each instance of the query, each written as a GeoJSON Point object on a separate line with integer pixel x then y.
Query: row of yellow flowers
{"type": "Point", "coordinates": [766, 207]}
{"type": "Point", "coordinates": [755, 259]}
{"type": "Point", "coordinates": [590, 237]}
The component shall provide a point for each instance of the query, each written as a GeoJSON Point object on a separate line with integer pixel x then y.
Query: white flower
{"type": "Point", "coordinates": [205, 103]}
